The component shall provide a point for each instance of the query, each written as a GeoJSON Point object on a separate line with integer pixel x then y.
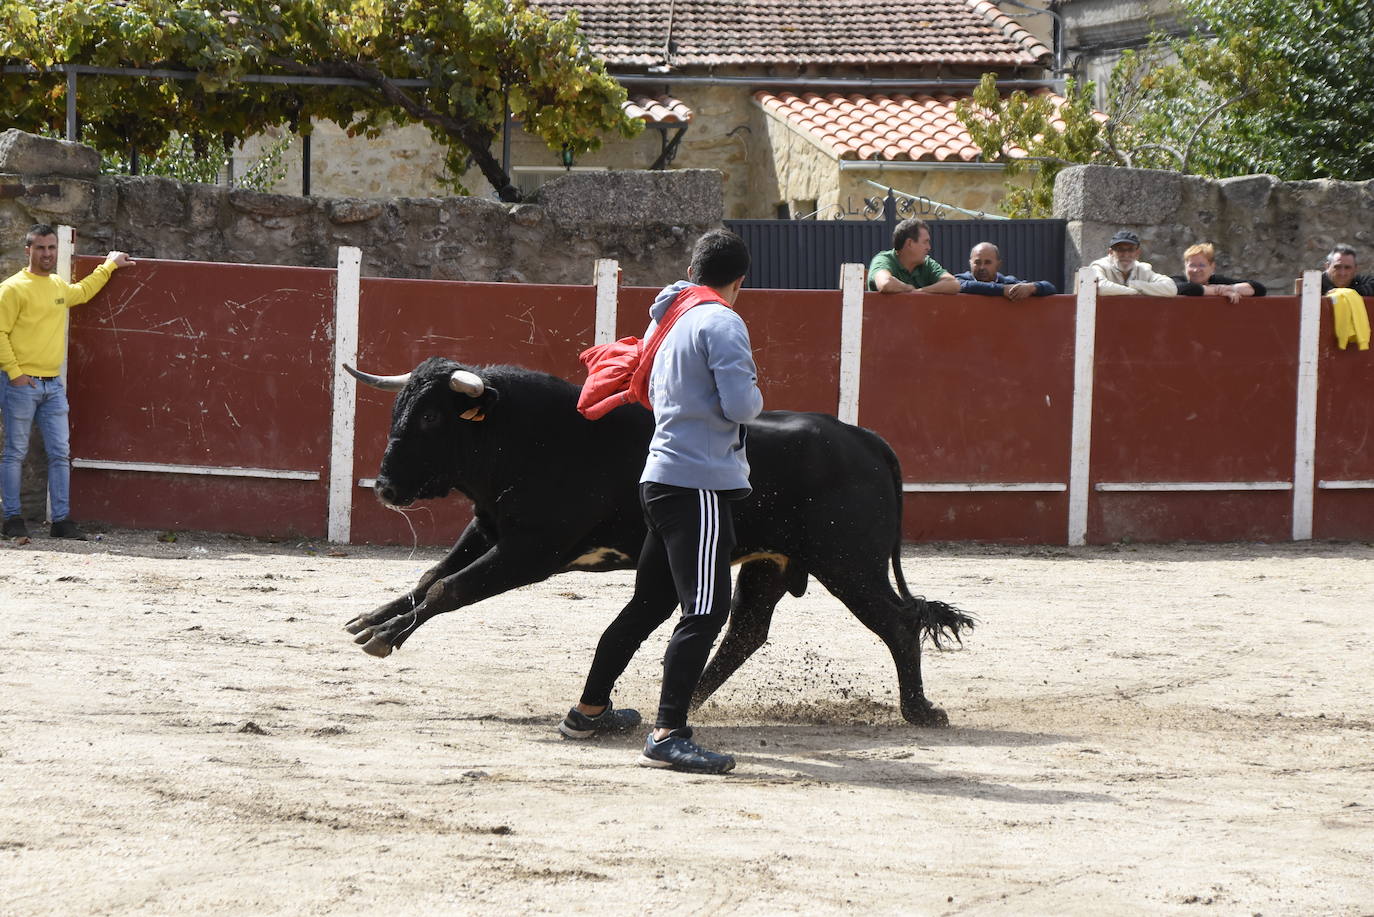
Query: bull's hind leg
{"type": "Point", "coordinates": [758, 588]}
{"type": "Point", "coordinates": [897, 624]}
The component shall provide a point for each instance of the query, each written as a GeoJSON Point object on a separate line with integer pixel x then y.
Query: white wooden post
{"type": "Point", "coordinates": [851, 340]}
{"type": "Point", "coordinates": [66, 245]}
{"type": "Point", "coordinates": [346, 290]}
{"type": "Point", "coordinates": [607, 280]}
{"type": "Point", "coordinates": [1080, 449]}
{"type": "Point", "coordinates": [1305, 443]}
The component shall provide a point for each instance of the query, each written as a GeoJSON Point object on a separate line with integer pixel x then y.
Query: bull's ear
{"type": "Point", "coordinates": [477, 408]}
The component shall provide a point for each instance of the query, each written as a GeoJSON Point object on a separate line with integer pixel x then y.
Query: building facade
{"type": "Point", "coordinates": [808, 109]}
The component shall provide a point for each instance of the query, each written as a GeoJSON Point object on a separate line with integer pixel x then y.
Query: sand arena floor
{"type": "Point", "coordinates": [186, 728]}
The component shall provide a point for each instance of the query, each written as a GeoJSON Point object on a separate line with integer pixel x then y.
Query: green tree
{"type": "Point", "coordinates": [1278, 86]}
{"type": "Point", "coordinates": [1033, 135]}
{"type": "Point", "coordinates": [477, 57]}
{"type": "Point", "coordinates": [179, 159]}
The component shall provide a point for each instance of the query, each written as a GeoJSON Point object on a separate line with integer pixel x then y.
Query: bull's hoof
{"type": "Point", "coordinates": [356, 625]}
{"type": "Point", "coordinates": [925, 714]}
{"type": "Point", "coordinates": [374, 644]}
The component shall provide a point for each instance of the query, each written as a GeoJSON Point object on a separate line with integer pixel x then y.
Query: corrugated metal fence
{"type": "Point", "coordinates": [807, 254]}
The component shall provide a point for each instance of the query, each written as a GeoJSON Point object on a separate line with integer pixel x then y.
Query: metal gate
{"type": "Point", "coordinates": [807, 254]}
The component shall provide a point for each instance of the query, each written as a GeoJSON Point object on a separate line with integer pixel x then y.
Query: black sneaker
{"type": "Point", "coordinates": [65, 528]}
{"type": "Point", "coordinates": [15, 527]}
{"type": "Point", "coordinates": [577, 725]}
{"type": "Point", "coordinates": [678, 751]}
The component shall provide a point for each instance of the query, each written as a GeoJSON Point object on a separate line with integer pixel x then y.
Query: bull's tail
{"type": "Point", "coordinates": [938, 620]}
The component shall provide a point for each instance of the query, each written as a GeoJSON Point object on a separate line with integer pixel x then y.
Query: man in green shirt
{"type": "Point", "coordinates": [907, 267]}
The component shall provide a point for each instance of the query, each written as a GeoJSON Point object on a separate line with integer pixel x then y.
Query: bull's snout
{"type": "Point", "coordinates": [386, 492]}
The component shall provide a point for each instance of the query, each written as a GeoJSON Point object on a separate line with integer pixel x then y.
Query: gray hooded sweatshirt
{"type": "Point", "coordinates": [704, 387]}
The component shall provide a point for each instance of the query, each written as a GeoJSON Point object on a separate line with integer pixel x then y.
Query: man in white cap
{"type": "Point", "coordinates": [1121, 273]}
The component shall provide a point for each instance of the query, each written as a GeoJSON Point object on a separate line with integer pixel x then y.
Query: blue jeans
{"type": "Point", "coordinates": [44, 403]}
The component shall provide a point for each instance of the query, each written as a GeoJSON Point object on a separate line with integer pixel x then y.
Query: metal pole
{"type": "Point", "coordinates": [505, 133]}
{"type": "Point", "coordinates": [71, 105]}
{"type": "Point", "coordinates": [305, 165]}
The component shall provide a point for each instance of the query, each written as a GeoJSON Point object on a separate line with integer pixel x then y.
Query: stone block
{"type": "Point", "coordinates": [1109, 194]}
{"type": "Point", "coordinates": [352, 210]}
{"type": "Point", "coordinates": [51, 199]}
{"type": "Point", "coordinates": [150, 202]}
{"type": "Point", "coordinates": [611, 199]}
{"type": "Point", "coordinates": [28, 154]}
{"type": "Point", "coordinates": [269, 205]}
{"type": "Point", "coordinates": [1248, 192]}
{"type": "Point", "coordinates": [526, 215]}
{"type": "Point", "coordinates": [204, 205]}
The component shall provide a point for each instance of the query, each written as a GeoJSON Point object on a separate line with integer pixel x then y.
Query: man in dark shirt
{"type": "Point", "coordinates": [984, 277]}
{"type": "Point", "coordinates": [1200, 277]}
{"type": "Point", "coordinates": [1340, 272]}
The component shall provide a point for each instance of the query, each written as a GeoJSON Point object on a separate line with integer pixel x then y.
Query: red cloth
{"type": "Point", "coordinates": [618, 372]}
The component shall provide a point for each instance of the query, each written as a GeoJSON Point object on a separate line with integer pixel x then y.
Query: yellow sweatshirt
{"type": "Point", "coordinates": [33, 319]}
{"type": "Point", "coordinates": [1349, 318]}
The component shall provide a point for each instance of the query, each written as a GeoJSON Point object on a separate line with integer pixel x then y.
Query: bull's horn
{"type": "Point", "coordinates": [466, 383]}
{"type": "Point", "coordinates": [385, 383]}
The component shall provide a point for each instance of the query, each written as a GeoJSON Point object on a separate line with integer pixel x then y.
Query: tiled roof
{"type": "Point", "coordinates": [661, 109]}
{"type": "Point", "coordinates": [891, 127]}
{"type": "Point", "coordinates": [687, 33]}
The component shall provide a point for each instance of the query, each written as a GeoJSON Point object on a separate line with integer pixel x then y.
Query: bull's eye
{"type": "Point", "coordinates": [429, 419]}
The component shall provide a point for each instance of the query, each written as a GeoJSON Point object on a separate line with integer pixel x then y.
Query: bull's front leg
{"type": "Point", "coordinates": [509, 564]}
{"type": "Point", "coordinates": [472, 544]}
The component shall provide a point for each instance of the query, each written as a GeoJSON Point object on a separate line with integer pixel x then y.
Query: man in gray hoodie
{"type": "Point", "coordinates": [704, 388]}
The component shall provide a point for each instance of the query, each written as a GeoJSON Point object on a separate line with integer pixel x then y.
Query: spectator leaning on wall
{"type": "Point", "coordinates": [1340, 272]}
{"type": "Point", "coordinates": [1200, 277]}
{"type": "Point", "coordinates": [907, 267]}
{"type": "Point", "coordinates": [1120, 273]}
{"type": "Point", "coordinates": [984, 277]}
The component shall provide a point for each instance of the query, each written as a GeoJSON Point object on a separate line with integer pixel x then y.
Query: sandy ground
{"type": "Point", "coordinates": [186, 728]}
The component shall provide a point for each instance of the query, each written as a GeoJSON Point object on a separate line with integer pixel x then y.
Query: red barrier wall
{"type": "Point", "coordinates": [1345, 437]}
{"type": "Point", "coordinates": [201, 364]}
{"type": "Point", "coordinates": [1194, 390]}
{"type": "Point", "coordinates": [926, 359]}
{"type": "Point", "coordinates": [222, 368]}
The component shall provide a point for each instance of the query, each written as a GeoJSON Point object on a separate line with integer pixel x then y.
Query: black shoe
{"type": "Point", "coordinates": [577, 725]}
{"type": "Point", "coordinates": [15, 527]}
{"type": "Point", "coordinates": [65, 528]}
{"type": "Point", "coordinates": [678, 751]}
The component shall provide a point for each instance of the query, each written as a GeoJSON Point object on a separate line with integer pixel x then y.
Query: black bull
{"type": "Point", "coordinates": [553, 492]}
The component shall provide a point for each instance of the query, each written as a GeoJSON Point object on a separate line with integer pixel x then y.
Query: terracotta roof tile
{"type": "Point", "coordinates": [894, 127]}
{"type": "Point", "coordinates": [686, 33]}
{"type": "Point", "coordinates": [661, 109]}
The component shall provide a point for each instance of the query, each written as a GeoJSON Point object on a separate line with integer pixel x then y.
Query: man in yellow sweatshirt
{"type": "Point", "coordinates": [33, 344]}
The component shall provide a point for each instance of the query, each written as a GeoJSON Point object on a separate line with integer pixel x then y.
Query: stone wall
{"type": "Point", "coordinates": [648, 221]}
{"type": "Point", "coordinates": [1263, 228]}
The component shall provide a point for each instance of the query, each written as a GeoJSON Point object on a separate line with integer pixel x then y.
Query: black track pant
{"type": "Point", "coordinates": [685, 560]}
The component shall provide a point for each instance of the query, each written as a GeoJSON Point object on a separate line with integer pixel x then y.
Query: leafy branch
{"type": "Point", "coordinates": [475, 55]}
